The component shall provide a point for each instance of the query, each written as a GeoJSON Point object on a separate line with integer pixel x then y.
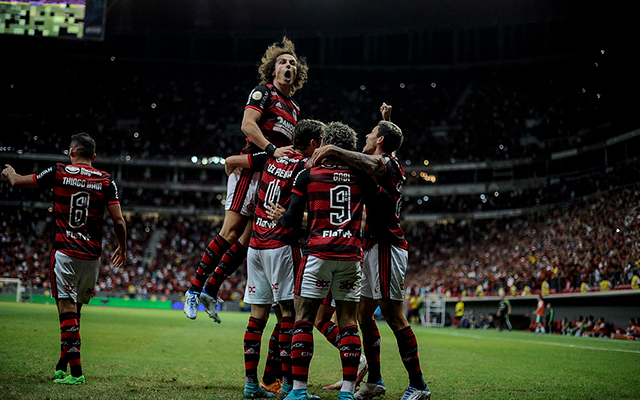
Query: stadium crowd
{"type": "Point", "coordinates": [587, 241]}
{"type": "Point", "coordinates": [521, 111]}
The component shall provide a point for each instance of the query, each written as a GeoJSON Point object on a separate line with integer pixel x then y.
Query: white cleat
{"type": "Point", "coordinates": [191, 301]}
{"type": "Point", "coordinates": [362, 370]}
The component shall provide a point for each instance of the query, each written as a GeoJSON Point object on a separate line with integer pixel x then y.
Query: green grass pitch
{"type": "Point", "coordinates": [130, 353]}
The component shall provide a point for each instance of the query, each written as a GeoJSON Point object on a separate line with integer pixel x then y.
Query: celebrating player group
{"type": "Point", "coordinates": [297, 200]}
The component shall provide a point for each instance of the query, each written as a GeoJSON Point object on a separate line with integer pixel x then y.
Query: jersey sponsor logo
{"type": "Point", "coordinates": [265, 223]}
{"type": "Point", "coordinates": [322, 283]}
{"type": "Point", "coordinates": [71, 169]}
{"type": "Point", "coordinates": [43, 173]}
{"type": "Point", "coordinates": [346, 285]}
{"type": "Point", "coordinates": [284, 126]}
{"type": "Point", "coordinates": [345, 233]}
{"type": "Point", "coordinates": [77, 235]}
{"type": "Point", "coordinates": [90, 172]}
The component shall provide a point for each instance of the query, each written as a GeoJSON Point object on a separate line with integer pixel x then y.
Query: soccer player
{"type": "Point", "coordinates": [81, 194]}
{"type": "Point", "coordinates": [385, 259]}
{"type": "Point", "coordinates": [273, 254]}
{"type": "Point", "coordinates": [540, 316]}
{"type": "Point", "coordinates": [504, 310]}
{"type": "Point", "coordinates": [335, 195]}
{"type": "Point", "coordinates": [270, 116]}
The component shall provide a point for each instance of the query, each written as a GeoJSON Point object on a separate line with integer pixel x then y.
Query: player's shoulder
{"type": "Point", "coordinates": [259, 93]}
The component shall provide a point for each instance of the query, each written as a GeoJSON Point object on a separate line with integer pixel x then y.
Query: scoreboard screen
{"type": "Point", "coordinates": [71, 19]}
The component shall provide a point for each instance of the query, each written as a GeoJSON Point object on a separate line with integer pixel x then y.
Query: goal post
{"type": "Point", "coordinates": [10, 289]}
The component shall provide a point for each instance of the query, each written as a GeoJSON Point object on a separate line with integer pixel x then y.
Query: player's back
{"type": "Point", "coordinates": [335, 197]}
{"type": "Point", "coordinates": [275, 187]}
{"type": "Point", "coordinates": [81, 194]}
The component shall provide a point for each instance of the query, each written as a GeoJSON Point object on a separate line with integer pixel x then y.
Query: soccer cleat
{"type": "Point", "coordinates": [345, 396]}
{"type": "Point", "coordinates": [297, 394]}
{"type": "Point", "coordinates": [284, 391]}
{"type": "Point", "coordinates": [60, 374]}
{"type": "Point", "coordinates": [191, 301]}
{"type": "Point", "coordinates": [371, 390]}
{"type": "Point", "coordinates": [254, 391]}
{"type": "Point", "coordinates": [335, 386]}
{"type": "Point", "coordinates": [210, 305]}
{"type": "Point", "coordinates": [71, 380]}
{"type": "Point", "coordinates": [362, 370]}
{"type": "Point", "coordinates": [274, 387]}
{"type": "Point", "coordinates": [412, 393]}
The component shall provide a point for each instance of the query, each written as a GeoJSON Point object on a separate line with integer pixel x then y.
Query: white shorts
{"type": "Point", "coordinates": [242, 186]}
{"type": "Point", "coordinates": [269, 275]}
{"type": "Point", "coordinates": [317, 277]}
{"type": "Point", "coordinates": [384, 267]}
{"type": "Point", "coordinates": [74, 278]}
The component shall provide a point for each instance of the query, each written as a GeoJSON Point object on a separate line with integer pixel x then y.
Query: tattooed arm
{"type": "Point", "coordinates": [371, 164]}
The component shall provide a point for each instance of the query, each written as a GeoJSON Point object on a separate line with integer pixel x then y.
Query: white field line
{"type": "Point", "coordinates": [507, 339]}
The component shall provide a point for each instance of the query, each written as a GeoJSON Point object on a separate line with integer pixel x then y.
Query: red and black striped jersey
{"type": "Point", "coordinates": [279, 116]}
{"type": "Point", "coordinates": [383, 225]}
{"type": "Point", "coordinates": [335, 195]}
{"type": "Point", "coordinates": [80, 195]}
{"type": "Point", "coordinates": [275, 186]}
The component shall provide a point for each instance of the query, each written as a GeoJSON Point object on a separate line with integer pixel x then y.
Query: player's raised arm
{"type": "Point", "coordinates": [385, 111]}
{"type": "Point", "coordinates": [17, 180]}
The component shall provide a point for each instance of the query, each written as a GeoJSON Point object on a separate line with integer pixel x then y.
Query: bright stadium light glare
{"type": "Point", "coordinates": [194, 159]}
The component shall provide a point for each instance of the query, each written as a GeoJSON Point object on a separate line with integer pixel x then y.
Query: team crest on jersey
{"type": "Point", "coordinates": [71, 169]}
{"type": "Point", "coordinates": [256, 95]}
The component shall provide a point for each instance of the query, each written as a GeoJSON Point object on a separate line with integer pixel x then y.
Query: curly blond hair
{"type": "Point", "coordinates": [268, 63]}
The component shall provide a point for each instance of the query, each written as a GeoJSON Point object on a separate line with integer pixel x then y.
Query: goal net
{"type": "Point", "coordinates": [10, 289]}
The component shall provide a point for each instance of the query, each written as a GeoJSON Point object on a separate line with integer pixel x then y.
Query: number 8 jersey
{"type": "Point", "coordinates": [80, 195]}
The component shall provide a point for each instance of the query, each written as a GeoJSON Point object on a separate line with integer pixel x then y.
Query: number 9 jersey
{"type": "Point", "coordinates": [80, 195]}
{"type": "Point", "coordinates": [335, 196]}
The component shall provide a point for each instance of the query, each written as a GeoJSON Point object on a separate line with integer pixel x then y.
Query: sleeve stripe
{"type": "Point", "coordinates": [253, 107]}
{"type": "Point", "coordinates": [297, 192]}
{"type": "Point", "coordinates": [34, 179]}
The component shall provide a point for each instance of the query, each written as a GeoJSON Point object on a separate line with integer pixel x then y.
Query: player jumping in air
{"type": "Point", "coordinates": [269, 119]}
